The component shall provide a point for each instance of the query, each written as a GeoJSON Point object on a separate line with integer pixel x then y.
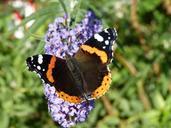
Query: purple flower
{"type": "Point", "coordinates": [60, 39]}
{"type": "Point", "coordinates": [64, 113]}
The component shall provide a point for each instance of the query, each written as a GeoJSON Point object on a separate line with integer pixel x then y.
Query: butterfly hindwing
{"type": "Point", "coordinates": [96, 74]}
{"type": "Point", "coordinates": [54, 71]}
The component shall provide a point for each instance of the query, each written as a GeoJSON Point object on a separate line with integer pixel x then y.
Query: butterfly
{"type": "Point", "coordinates": [80, 77]}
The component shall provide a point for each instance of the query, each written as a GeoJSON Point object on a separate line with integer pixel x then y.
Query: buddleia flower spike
{"type": "Point", "coordinates": [60, 39]}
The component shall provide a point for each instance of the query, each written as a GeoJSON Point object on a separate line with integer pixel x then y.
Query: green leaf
{"type": "Point", "coordinates": [148, 5]}
{"type": "Point", "coordinates": [4, 121]}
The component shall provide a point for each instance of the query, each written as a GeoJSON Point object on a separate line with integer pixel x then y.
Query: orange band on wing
{"type": "Point", "coordinates": [50, 68]}
{"type": "Point", "coordinates": [100, 53]}
{"type": "Point", "coordinates": [103, 88]}
{"type": "Point", "coordinates": [71, 99]}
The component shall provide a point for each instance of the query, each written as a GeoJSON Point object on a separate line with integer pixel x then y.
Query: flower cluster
{"type": "Point", "coordinates": [64, 113]}
{"type": "Point", "coordinates": [60, 39]}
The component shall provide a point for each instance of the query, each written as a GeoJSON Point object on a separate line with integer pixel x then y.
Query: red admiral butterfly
{"type": "Point", "coordinates": [80, 77]}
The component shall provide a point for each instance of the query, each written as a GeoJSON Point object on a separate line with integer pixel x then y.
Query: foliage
{"type": "Point", "coordinates": [140, 92]}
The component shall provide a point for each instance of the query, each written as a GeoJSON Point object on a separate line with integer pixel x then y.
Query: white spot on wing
{"type": "Point", "coordinates": [112, 51]}
{"type": "Point", "coordinates": [39, 75]}
{"type": "Point", "coordinates": [107, 42]}
{"type": "Point", "coordinates": [106, 30]}
{"type": "Point", "coordinates": [114, 46]}
{"type": "Point", "coordinates": [104, 47]}
{"type": "Point", "coordinates": [115, 32]}
{"type": "Point", "coordinates": [108, 68]}
{"type": "Point", "coordinates": [98, 37]}
{"type": "Point", "coordinates": [31, 58]}
{"type": "Point", "coordinates": [38, 67]}
{"type": "Point", "coordinates": [40, 59]}
{"type": "Point", "coordinates": [43, 81]}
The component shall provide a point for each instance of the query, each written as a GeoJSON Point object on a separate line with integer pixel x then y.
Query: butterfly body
{"type": "Point", "coordinates": [82, 76]}
{"type": "Point", "coordinates": [76, 74]}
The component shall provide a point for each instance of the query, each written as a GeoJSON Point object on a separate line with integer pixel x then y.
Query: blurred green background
{"type": "Point", "coordinates": [139, 96]}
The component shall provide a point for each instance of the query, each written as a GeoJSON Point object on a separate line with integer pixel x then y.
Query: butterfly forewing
{"type": "Point", "coordinates": [101, 44]}
{"type": "Point", "coordinates": [93, 57]}
{"type": "Point", "coordinates": [54, 71]}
